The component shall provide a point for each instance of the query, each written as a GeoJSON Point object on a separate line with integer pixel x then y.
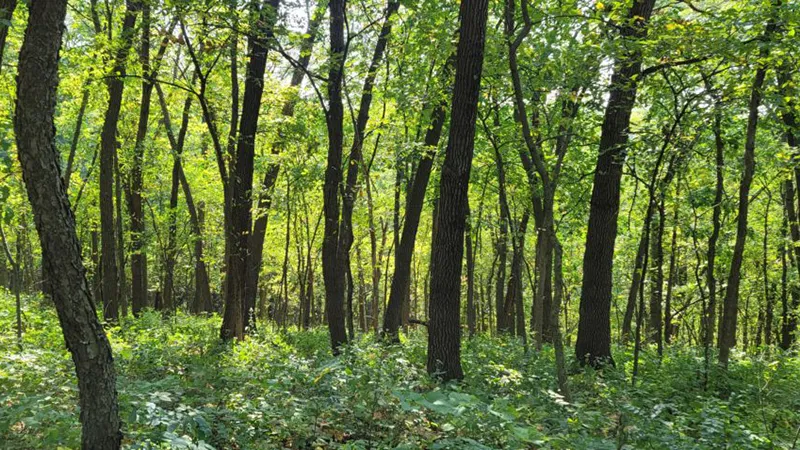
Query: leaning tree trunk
{"type": "Point", "coordinates": [271, 175]}
{"type": "Point", "coordinates": [34, 126]}
{"type": "Point", "coordinates": [727, 338]}
{"type": "Point", "coordinates": [404, 252]}
{"type": "Point", "coordinates": [593, 346]}
{"type": "Point", "coordinates": [108, 149]}
{"type": "Point", "coordinates": [444, 329]}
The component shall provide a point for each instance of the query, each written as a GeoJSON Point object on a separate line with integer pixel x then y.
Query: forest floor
{"type": "Point", "coordinates": [180, 388]}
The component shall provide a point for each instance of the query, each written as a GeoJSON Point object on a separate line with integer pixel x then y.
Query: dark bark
{"type": "Point", "coordinates": [593, 345]}
{"type": "Point", "coordinates": [727, 338]}
{"type": "Point", "coordinates": [444, 330]}
{"type": "Point", "coordinates": [35, 132]}
{"type": "Point", "coordinates": [7, 8]}
{"type": "Point", "coordinates": [271, 174]}
{"type": "Point", "coordinates": [334, 118]}
{"type": "Point", "coordinates": [355, 162]}
{"type": "Point", "coordinates": [238, 313]}
{"type": "Point", "coordinates": [108, 148]}
{"type": "Point", "coordinates": [405, 249]}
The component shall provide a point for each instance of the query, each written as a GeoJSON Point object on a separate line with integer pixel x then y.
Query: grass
{"type": "Point", "coordinates": [180, 388]}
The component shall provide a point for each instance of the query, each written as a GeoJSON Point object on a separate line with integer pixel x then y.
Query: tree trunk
{"type": "Point", "coordinates": [334, 117]}
{"type": "Point", "coordinates": [392, 318]}
{"type": "Point", "coordinates": [471, 316]}
{"type": "Point", "coordinates": [444, 329]}
{"type": "Point", "coordinates": [108, 150]}
{"type": "Point", "coordinates": [673, 256]}
{"type": "Point", "coordinates": [39, 159]}
{"type": "Point", "coordinates": [710, 315]}
{"type": "Point", "coordinates": [271, 174]}
{"type": "Point", "coordinates": [237, 312]}
{"type": "Point", "coordinates": [558, 345]}
{"type": "Point", "coordinates": [355, 162]}
{"type": "Point", "coordinates": [594, 325]}
{"type": "Point", "coordinates": [7, 8]}
{"type": "Point", "coordinates": [655, 325]}
{"type": "Point", "coordinates": [731, 305]}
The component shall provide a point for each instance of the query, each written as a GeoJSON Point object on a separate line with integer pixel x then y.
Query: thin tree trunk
{"type": "Point", "coordinates": [673, 255]}
{"type": "Point", "coordinates": [654, 324]}
{"type": "Point", "coordinates": [271, 174]}
{"type": "Point", "coordinates": [356, 151]}
{"type": "Point", "coordinates": [405, 248]}
{"type": "Point", "coordinates": [108, 149]}
{"type": "Point", "coordinates": [558, 345]}
{"type": "Point", "coordinates": [39, 159]}
{"type": "Point", "coordinates": [731, 304]}
{"type": "Point", "coordinates": [710, 314]}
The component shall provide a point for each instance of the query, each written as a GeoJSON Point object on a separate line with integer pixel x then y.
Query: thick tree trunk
{"type": "Point", "coordinates": [108, 150]}
{"type": "Point", "coordinates": [334, 117]}
{"type": "Point", "coordinates": [594, 325]}
{"type": "Point", "coordinates": [35, 131]}
{"type": "Point", "coordinates": [237, 312]}
{"type": "Point", "coordinates": [444, 329]}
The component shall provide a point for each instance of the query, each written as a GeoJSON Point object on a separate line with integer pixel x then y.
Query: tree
{"type": "Point", "coordinates": [334, 118]}
{"type": "Point", "coordinates": [593, 346]}
{"type": "Point", "coordinates": [444, 330]}
{"type": "Point", "coordinates": [108, 151]}
{"type": "Point", "coordinates": [730, 311]}
{"type": "Point", "coordinates": [236, 317]}
{"type": "Point", "coordinates": [35, 132]}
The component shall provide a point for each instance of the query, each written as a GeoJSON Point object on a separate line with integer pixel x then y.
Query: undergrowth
{"type": "Point", "coordinates": [180, 388]}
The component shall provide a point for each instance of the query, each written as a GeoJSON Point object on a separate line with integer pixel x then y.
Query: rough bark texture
{"type": "Point", "coordinates": [593, 345]}
{"type": "Point", "coordinates": [108, 149]}
{"type": "Point", "coordinates": [444, 330]}
{"type": "Point", "coordinates": [55, 223]}
{"type": "Point", "coordinates": [237, 314]}
{"type": "Point", "coordinates": [334, 117]}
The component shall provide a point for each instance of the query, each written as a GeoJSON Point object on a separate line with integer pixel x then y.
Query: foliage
{"type": "Point", "coordinates": [180, 388]}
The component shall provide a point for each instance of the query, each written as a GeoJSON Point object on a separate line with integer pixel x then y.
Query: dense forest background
{"type": "Point", "coordinates": [566, 185]}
